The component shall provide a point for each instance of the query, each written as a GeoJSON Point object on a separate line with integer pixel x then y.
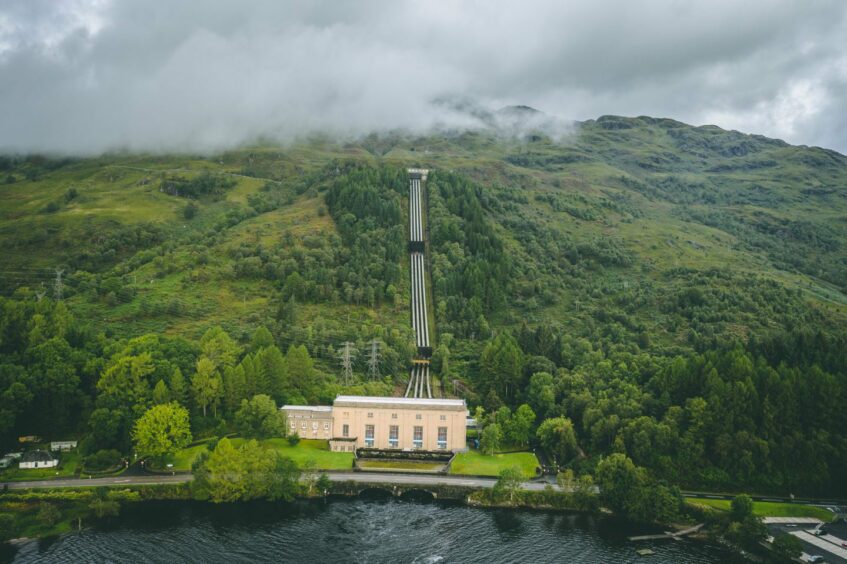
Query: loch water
{"type": "Point", "coordinates": [371, 529]}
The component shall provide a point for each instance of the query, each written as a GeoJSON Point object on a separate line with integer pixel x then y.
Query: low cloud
{"type": "Point", "coordinates": [86, 76]}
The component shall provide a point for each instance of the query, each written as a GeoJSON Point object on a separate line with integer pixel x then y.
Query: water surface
{"type": "Point", "coordinates": [360, 530]}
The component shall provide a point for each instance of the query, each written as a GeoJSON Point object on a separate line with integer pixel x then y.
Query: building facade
{"type": "Point", "coordinates": [384, 423]}
{"type": "Point", "coordinates": [38, 459]}
{"type": "Point", "coordinates": [309, 421]}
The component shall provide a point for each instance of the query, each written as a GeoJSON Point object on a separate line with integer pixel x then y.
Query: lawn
{"type": "Point", "coordinates": [475, 463]}
{"type": "Point", "coordinates": [401, 465]}
{"type": "Point", "coordinates": [770, 508]}
{"type": "Point", "coordinates": [68, 463]}
{"type": "Point", "coordinates": [317, 451]}
{"type": "Point", "coordinates": [306, 450]}
{"type": "Point", "coordinates": [183, 459]}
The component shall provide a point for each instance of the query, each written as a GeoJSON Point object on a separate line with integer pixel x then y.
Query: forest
{"type": "Point", "coordinates": [687, 312]}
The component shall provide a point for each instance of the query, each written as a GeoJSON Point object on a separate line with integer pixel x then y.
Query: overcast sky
{"type": "Point", "coordinates": [85, 76]}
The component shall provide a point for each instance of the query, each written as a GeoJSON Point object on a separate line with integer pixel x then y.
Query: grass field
{"type": "Point", "coordinates": [305, 451]}
{"type": "Point", "coordinates": [183, 459]}
{"type": "Point", "coordinates": [475, 463]}
{"type": "Point", "coordinates": [770, 509]}
{"type": "Point", "coordinates": [401, 465]}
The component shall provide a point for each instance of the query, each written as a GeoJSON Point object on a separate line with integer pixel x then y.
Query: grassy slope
{"type": "Point", "coordinates": [305, 451]}
{"type": "Point", "coordinates": [760, 182]}
{"type": "Point", "coordinates": [771, 509]}
{"type": "Point", "coordinates": [475, 463]}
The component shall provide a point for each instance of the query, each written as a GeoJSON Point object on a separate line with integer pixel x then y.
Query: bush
{"type": "Point", "coordinates": [51, 207]}
{"type": "Point", "coordinates": [293, 439]}
{"type": "Point", "coordinates": [190, 210]}
{"type": "Point", "coordinates": [102, 460]}
{"type": "Point", "coordinates": [8, 526]}
{"type": "Point", "coordinates": [48, 514]}
{"type": "Point", "coordinates": [788, 546]}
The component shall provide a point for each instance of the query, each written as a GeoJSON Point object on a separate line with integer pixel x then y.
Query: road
{"type": "Point", "coordinates": [145, 480]}
{"type": "Point", "coordinates": [362, 477]}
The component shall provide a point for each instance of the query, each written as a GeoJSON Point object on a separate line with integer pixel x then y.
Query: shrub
{"type": "Point", "coordinates": [293, 439]}
{"type": "Point", "coordinates": [102, 460]}
{"type": "Point", "coordinates": [190, 210]}
{"type": "Point", "coordinates": [48, 514]}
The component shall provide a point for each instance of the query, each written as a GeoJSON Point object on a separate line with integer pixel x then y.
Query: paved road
{"type": "Point", "coordinates": [82, 482]}
{"type": "Point", "coordinates": [364, 477]}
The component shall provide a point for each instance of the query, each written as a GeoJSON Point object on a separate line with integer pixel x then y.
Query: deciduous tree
{"type": "Point", "coordinates": [162, 430]}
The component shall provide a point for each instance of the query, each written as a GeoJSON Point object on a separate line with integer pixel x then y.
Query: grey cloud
{"type": "Point", "coordinates": [84, 76]}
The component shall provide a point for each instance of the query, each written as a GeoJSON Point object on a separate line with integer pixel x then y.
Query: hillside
{"type": "Point", "coordinates": [643, 213]}
{"type": "Point", "coordinates": [605, 254]}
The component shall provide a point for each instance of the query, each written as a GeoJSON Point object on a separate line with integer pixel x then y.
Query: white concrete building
{"type": "Point", "coordinates": [39, 459]}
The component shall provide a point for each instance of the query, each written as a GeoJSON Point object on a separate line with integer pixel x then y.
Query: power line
{"type": "Point", "coordinates": [348, 352]}
{"type": "Point", "coordinates": [373, 360]}
{"type": "Point", "coordinates": [57, 289]}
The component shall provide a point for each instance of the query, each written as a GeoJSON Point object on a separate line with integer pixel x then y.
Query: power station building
{"type": "Point", "coordinates": [354, 422]}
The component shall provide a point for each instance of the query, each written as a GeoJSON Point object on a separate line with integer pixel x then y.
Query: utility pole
{"type": "Point", "coordinates": [57, 288]}
{"type": "Point", "coordinates": [373, 360]}
{"type": "Point", "coordinates": [41, 293]}
{"type": "Point", "coordinates": [347, 355]}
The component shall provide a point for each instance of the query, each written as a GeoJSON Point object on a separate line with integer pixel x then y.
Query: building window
{"type": "Point", "coordinates": [315, 426]}
{"type": "Point", "coordinates": [369, 436]}
{"type": "Point", "coordinates": [303, 425]}
{"type": "Point", "coordinates": [370, 415]}
{"type": "Point", "coordinates": [293, 424]}
{"type": "Point", "coordinates": [418, 416]}
{"type": "Point", "coordinates": [443, 418]}
{"type": "Point", "coordinates": [346, 414]}
{"type": "Point", "coordinates": [394, 416]}
{"type": "Point", "coordinates": [345, 430]}
{"type": "Point", "coordinates": [393, 436]}
{"type": "Point", "coordinates": [442, 437]}
{"type": "Point", "coordinates": [417, 438]}
{"type": "Point", "coordinates": [326, 426]}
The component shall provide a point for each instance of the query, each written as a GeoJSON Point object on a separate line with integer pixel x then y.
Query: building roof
{"type": "Point", "coordinates": [307, 407]}
{"type": "Point", "coordinates": [401, 403]}
{"type": "Point", "coordinates": [37, 456]}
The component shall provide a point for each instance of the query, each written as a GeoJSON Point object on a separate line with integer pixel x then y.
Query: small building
{"type": "Point", "coordinates": [309, 421]}
{"type": "Point", "coordinates": [342, 444]}
{"type": "Point", "coordinates": [39, 459]}
{"type": "Point", "coordinates": [62, 446]}
{"type": "Point", "coordinates": [6, 461]}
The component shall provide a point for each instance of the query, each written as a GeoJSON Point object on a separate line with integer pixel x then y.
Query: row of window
{"type": "Point", "coordinates": [394, 436]}
{"type": "Point", "coordinates": [418, 416]}
{"type": "Point", "coordinates": [314, 425]}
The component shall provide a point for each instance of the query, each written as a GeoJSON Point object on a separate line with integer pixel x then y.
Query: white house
{"type": "Point", "coordinates": [39, 459]}
{"type": "Point", "coordinates": [62, 446]}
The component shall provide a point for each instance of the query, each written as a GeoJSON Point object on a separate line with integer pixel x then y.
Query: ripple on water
{"type": "Point", "coordinates": [362, 530]}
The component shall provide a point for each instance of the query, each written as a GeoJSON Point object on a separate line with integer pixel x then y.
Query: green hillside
{"type": "Point", "coordinates": [622, 264]}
